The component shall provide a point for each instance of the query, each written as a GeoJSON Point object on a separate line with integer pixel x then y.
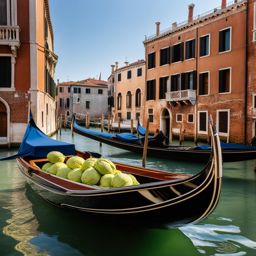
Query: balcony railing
{"type": "Point", "coordinates": [10, 35]}
{"type": "Point", "coordinates": [184, 95]}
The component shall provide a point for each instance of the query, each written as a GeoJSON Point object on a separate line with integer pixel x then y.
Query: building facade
{"type": "Point", "coordinates": [27, 64]}
{"type": "Point", "coordinates": [201, 68]}
{"type": "Point", "coordinates": [88, 96]}
{"type": "Point", "coordinates": [129, 91]}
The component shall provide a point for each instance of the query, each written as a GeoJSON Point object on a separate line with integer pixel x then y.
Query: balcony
{"type": "Point", "coordinates": [10, 35]}
{"type": "Point", "coordinates": [185, 96]}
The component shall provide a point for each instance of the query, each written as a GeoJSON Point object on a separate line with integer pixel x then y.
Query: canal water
{"type": "Point", "coordinates": [31, 226]}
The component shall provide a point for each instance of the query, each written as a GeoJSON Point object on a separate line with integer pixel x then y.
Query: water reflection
{"type": "Point", "coordinates": [64, 232]}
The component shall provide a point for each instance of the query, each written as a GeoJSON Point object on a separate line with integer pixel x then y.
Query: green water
{"type": "Point", "coordinates": [31, 226]}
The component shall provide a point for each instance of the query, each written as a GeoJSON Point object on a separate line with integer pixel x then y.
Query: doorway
{"type": "Point", "coordinates": [165, 123]}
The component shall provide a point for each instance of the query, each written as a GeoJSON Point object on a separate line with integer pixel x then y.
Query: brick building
{"type": "Point", "coordinates": [27, 64]}
{"type": "Point", "coordinates": [87, 96]}
{"type": "Point", "coordinates": [129, 84]}
{"type": "Point", "coordinates": [204, 66]}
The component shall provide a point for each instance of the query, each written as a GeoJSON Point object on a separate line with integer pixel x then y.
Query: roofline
{"type": "Point", "coordinates": [48, 16]}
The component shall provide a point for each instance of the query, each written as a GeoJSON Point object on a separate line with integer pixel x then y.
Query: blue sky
{"type": "Point", "coordinates": [89, 36]}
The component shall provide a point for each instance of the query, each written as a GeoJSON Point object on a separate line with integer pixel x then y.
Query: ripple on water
{"type": "Point", "coordinates": [217, 239]}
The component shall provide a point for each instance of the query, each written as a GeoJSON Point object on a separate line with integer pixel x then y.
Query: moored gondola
{"type": "Point", "coordinates": [230, 152]}
{"type": "Point", "coordinates": [161, 196]}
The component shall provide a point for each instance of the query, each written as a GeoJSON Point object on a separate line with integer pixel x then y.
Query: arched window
{"type": "Point", "coordinates": [138, 98]}
{"type": "Point", "coordinates": [119, 101]}
{"type": "Point", "coordinates": [128, 99]}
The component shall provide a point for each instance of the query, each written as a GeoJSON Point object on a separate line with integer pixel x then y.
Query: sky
{"type": "Point", "coordinates": [90, 35]}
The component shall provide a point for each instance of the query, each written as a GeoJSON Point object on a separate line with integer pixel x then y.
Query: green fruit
{"type": "Point", "coordinates": [88, 163]}
{"type": "Point", "coordinates": [134, 180]}
{"type": "Point", "coordinates": [90, 176]}
{"type": "Point", "coordinates": [106, 180]}
{"type": "Point", "coordinates": [63, 172]}
{"type": "Point", "coordinates": [55, 167]}
{"type": "Point", "coordinates": [121, 180]}
{"type": "Point", "coordinates": [75, 175]}
{"type": "Point", "coordinates": [75, 162]}
{"type": "Point", "coordinates": [104, 166]}
{"type": "Point", "coordinates": [46, 166]}
{"type": "Point", "coordinates": [55, 157]}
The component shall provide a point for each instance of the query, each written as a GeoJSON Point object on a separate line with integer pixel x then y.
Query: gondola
{"type": "Point", "coordinates": [230, 152]}
{"type": "Point", "coordinates": [161, 196]}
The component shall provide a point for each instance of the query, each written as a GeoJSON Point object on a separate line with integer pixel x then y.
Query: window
{"type": "Point", "coordinates": [202, 122]}
{"type": "Point", "coordinates": [119, 77]}
{"type": "Point", "coordinates": [151, 90]}
{"type": "Point", "coordinates": [204, 83]}
{"type": "Point", "coordinates": [61, 103]}
{"type": "Point", "coordinates": [205, 45]}
{"type": "Point", "coordinates": [165, 56]}
{"type": "Point", "coordinates": [77, 90]}
{"type": "Point", "coordinates": [137, 115]}
{"type": "Point", "coordinates": [151, 115]}
{"type": "Point", "coordinates": [225, 40]}
{"type": "Point", "coordinates": [175, 83]}
{"type": "Point", "coordinates": [254, 102]}
{"type": "Point", "coordinates": [128, 115]}
{"type": "Point", "coordinates": [223, 121]}
{"type": "Point", "coordinates": [188, 81]}
{"type": "Point", "coordinates": [61, 89]}
{"type": "Point", "coordinates": [77, 100]}
{"type": "Point", "coordinates": [151, 60]}
{"type": "Point", "coordinates": [87, 90]}
{"type": "Point", "coordinates": [119, 101]}
{"type": "Point", "coordinates": [224, 80]}
{"type": "Point", "coordinates": [190, 118]}
{"type": "Point", "coordinates": [3, 12]}
{"type": "Point", "coordinates": [5, 72]}
{"type": "Point", "coordinates": [87, 104]}
{"type": "Point", "coordinates": [190, 49]}
{"type": "Point", "coordinates": [67, 113]}
{"type": "Point", "coordinates": [100, 91]}
{"type": "Point", "coordinates": [119, 115]}
{"type": "Point", "coordinates": [67, 103]}
{"type": "Point", "coordinates": [42, 118]}
{"type": "Point", "coordinates": [179, 118]}
{"type": "Point", "coordinates": [128, 99]}
{"type": "Point", "coordinates": [177, 52]}
{"type": "Point", "coordinates": [68, 89]}
{"type": "Point", "coordinates": [163, 87]}
{"type": "Point", "coordinates": [138, 98]}
{"type": "Point", "coordinates": [47, 109]}
{"type": "Point", "coordinates": [129, 74]}
{"type": "Point", "coordinates": [139, 72]}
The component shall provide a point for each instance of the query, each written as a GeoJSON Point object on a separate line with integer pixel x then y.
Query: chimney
{"type": "Point", "coordinates": [157, 28]}
{"type": "Point", "coordinates": [190, 12]}
{"type": "Point", "coordinates": [174, 25]}
{"type": "Point", "coordinates": [116, 65]}
{"type": "Point", "coordinates": [126, 63]}
{"type": "Point", "coordinates": [112, 69]}
{"type": "Point", "coordinates": [223, 4]}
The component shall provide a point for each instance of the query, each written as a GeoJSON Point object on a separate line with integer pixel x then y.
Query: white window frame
{"type": "Point", "coordinates": [198, 122]}
{"type": "Point", "coordinates": [230, 80]}
{"type": "Point", "coordinates": [217, 123]}
{"type": "Point", "coordinates": [13, 61]}
{"type": "Point", "coordinates": [209, 83]}
{"type": "Point", "coordinates": [254, 23]}
{"type": "Point", "coordinates": [185, 49]}
{"type": "Point", "coordinates": [209, 46]}
{"type": "Point", "coordinates": [193, 118]}
{"type": "Point", "coordinates": [231, 32]}
{"type": "Point", "coordinates": [176, 117]}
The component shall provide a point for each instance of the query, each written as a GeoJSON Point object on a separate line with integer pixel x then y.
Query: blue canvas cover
{"type": "Point", "coordinates": [36, 144]}
{"type": "Point", "coordinates": [141, 130]}
{"type": "Point", "coordinates": [93, 132]}
{"type": "Point", "coordinates": [127, 137]}
{"type": "Point", "coordinates": [227, 146]}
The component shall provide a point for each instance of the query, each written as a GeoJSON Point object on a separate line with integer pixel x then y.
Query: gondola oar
{"type": "Point", "coordinates": [145, 148]}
